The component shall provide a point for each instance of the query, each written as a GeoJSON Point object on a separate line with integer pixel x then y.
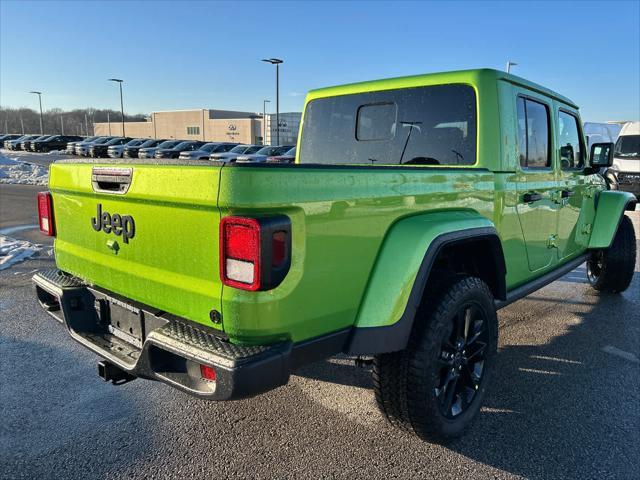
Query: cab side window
{"type": "Point", "coordinates": [571, 151]}
{"type": "Point", "coordinates": [533, 134]}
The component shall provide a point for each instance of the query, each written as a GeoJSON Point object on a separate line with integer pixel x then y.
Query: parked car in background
{"type": "Point", "coordinates": [131, 151]}
{"type": "Point", "coordinates": [35, 141]}
{"type": "Point", "coordinates": [206, 150]}
{"type": "Point", "coordinates": [82, 148]}
{"type": "Point", "coordinates": [150, 152]}
{"type": "Point", "coordinates": [57, 142]}
{"type": "Point", "coordinates": [14, 144]}
{"type": "Point", "coordinates": [116, 151]}
{"type": "Point", "coordinates": [287, 157]}
{"type": "Point", "coordinates": [175, 151]}
{"type": "Point", "coordinates": [624, 173]}
{"type": "Point", "coordinates": [71, 146]}
{"type": "Point", "coordinates": [26, 144]}
{"type": "Point", "coordinates": [101, 149]}
{"type": "Point", "coordinates": [8, 137]}
{"type": "Point", "coordinates": [236, 151]}
{"type": "Point", "coordinates": [264, 153]}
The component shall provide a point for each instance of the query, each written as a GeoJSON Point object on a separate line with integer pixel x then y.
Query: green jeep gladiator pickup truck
{"type": "Point", "coordinates": [416, 208]}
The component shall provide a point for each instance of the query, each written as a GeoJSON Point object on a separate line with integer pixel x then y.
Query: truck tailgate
{"type": "Point", "coordinates": [148, 232]}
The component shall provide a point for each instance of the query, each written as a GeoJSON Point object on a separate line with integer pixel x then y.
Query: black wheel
{"type": "Point", "coordinates": [436, 386]}
{"type": "Point", "coordinates": [611, 270]}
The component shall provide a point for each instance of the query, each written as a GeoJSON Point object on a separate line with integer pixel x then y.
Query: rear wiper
{"type": "Point", "coordinates": [458, 155]}
{"type": "Point", "coordinates": [411, 126]}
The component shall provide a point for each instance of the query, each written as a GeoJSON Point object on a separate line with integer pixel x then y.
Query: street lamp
{"type": "Point", "coordinates": [40, 100]}
{"type": "Point", "coordinates": [509, 65]}
{"type": "Point", "coordinates": [121, 104]}
{"type": "Point", "coordinates": [276, 62]}
{"type": "Point", "coordinates": [264, 121]}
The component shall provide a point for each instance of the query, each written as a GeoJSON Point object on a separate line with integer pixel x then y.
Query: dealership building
{"type": "Point", "coordinates": [209, 125]}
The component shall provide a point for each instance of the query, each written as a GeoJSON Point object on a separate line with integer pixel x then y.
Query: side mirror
{"type": "Point", "coordinates": [601, 155]}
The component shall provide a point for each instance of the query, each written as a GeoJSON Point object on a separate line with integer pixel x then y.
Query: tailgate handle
{"type": "Point", "coordinates": [111, 180]}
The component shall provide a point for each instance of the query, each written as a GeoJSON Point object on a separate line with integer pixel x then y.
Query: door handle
{"type": "Point", "coordinates": [566, 193]}
{"type": "Point", "coordinates": [531, 197]}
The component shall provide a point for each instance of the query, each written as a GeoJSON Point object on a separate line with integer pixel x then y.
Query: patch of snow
{"type": "Point", "coordinates": [13, 170]}
{"type": "Point", "coordinates": [57, 152]}
{"type": "Point", "coordinates": [13, 251]}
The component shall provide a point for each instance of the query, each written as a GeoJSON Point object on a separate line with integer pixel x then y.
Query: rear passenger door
{"type": "Point", "coordinates": [571, 152]}
{"type": "Point", "coordinates": [536, 180]}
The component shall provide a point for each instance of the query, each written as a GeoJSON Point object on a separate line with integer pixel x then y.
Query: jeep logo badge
{"type": "Point", "coordinates": [114, 223]}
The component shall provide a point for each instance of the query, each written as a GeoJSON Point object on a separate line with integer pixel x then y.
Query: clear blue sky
{"type": "Point", "coordinates": [181, 55]}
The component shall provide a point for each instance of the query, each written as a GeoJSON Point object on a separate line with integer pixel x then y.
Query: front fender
{"type": "Point", "coordinates": [610, 208]}
{"type": "Point", "coordinates": [396, 284]}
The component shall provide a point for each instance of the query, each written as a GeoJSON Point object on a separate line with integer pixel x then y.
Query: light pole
{"type": "Point", "coordinates": [109, 122]}
{"type": "Point", "coordinates": [40, 100]}
{"type": "Point", "coordinates": [119, 81]}
{"type": "Point", "coordinates": [62, 125]}
{"type": "Point", "coordinates": [264, 121]}
{"type": "Point", "coordinates": [276, 62]}
{"type": "Point", "coordinates": [509, 65]}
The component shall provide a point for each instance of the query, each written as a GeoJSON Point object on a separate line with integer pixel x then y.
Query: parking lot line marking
{"type": "Point", "coordinates": [620, 353]}
{"type": "Point", "coordinates": [535, 370]}
{"type": "Point", "coordinates": [556, 359]}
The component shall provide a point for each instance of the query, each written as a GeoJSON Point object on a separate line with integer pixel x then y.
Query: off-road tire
{"type": "Point", "coordinates": [611, 270]}
{"type": "Point", "coordinates": [406, 382]}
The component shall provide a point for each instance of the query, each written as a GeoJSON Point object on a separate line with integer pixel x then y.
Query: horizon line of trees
{"type": "Point", "coordinates": [57, 121]}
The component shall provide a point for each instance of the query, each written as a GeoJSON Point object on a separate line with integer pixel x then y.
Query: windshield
{"type": "Point", "coordinates": [114, 141]}
{"type": "Point", "coordinates": [291, 153]}
{"type": "Point", "coordinates": [134, 143]}
{"type": "Point", "coordinates": [101, 141]}
{"type": "Point", "coordinates": [169, 144]}
{"type": "Point", "coordinates": [433, 125]}
{"type": "Point", "coordinates": [209, 147]}
{"type": "Point", "coordinates": [150, 143]}
{"type": "Point", "coordinates": [239, 149]}
{"type": "Point", "coordinates": [628, 146]}
{"type": "Point", "coordinates": [283, 150]}
{"type": "Point", "coordinates": [268, 151]}
{"type": "Point", "coordinates": [186, 146]}
{"type": "Point", "coordinates": [221, 148]}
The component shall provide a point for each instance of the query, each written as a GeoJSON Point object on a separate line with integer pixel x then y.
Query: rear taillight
{"type": "Point", "coordinates": [45, 214]}
{"type": "Point", "coordinates": [255, 253]}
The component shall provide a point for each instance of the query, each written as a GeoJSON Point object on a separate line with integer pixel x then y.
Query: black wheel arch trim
{"type": "Point", "coordinates": [628, 207]}
{"type": "Point", "coordinates": [391, 338]}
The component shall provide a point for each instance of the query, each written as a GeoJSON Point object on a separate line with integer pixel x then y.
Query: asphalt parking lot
{"type": "Point", "coordinates": [565, 402]}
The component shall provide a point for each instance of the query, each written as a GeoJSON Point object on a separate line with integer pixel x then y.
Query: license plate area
{"type": "Point", "coordinates": [125, 323]}
{"type": "Point", "coordinates": [121, 319]}
{"type": "Point", "coordinates": [124, 318]}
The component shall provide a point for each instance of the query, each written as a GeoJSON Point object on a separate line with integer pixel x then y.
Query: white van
{"type": "Point", "coordinates": [626, 160]}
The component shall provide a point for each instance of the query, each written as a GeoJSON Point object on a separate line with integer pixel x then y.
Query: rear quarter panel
{"type": "Point", "coordinates": [340, 218]}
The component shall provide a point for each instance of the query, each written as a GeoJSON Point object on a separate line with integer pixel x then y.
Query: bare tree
{"type": "Point", "coordinates": [19, 120]}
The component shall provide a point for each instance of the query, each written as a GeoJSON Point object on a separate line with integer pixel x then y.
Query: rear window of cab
{"type": "Point", "coordinates": [434, 125]}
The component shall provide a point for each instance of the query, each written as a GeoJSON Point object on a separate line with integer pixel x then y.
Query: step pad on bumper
{"type": "Point", "coordinates": [168, 348]}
